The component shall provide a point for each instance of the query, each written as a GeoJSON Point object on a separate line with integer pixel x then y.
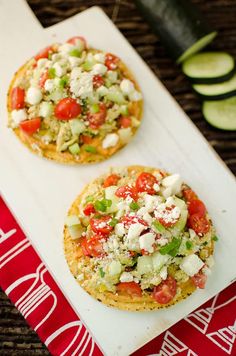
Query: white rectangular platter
{"type": "Point", "coordinates": [39, 192]}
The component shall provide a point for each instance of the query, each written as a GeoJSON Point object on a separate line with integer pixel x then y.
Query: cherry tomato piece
{"type": "Point", "coordinates": [73, 40]}
{"type": "Point", "coordinates": [111, 180]}
{"type": "Point", "coordinates": [101, 225]}
{"type": "Point", "coordinates": [89, 209]}
{"type": "Point", "coordinates": [17, 98]}
{"type": "Point", "coordinates": [196, 207]}
{"type": "Point", "coordinates": [127, 191]}
{"type": "Point", "coordinates": [128, 220]}
{"type": "Point", "coordinates": [165, 291]}
{"type": "Point", "coordinates": [199, 280]}
{"type": "Point", "coordinates": [44, 76]}
{"type": "Point", "coordinates": [166, 217]}
{"type": "Point", "coordinates": [86, 139]}
{"type": "Point", "coordinates": [98, 118]}
{"type": "Point", "coordinates": [94, 247]}
{"type": "Point", "coordinates": [198, 223]}
{"type": "Point", "coordinates": [67, 109]}
{"type": "Point", "coordinates": [131, 288]}
{"type": "Point", "coordinates": [145, 183]}
{"type": "Point", "coordinates": [98, 81]}
{"type": "Point", "coordinates": [189, 195]}
{"type": "Point", "coordinates": [111, 61]}
{"type": "Point", "coordinates": [124, 122]}
{"type": "Point", "coordinates": [30, 126]}
{"type": "Point", "coordinates": [44, 53]}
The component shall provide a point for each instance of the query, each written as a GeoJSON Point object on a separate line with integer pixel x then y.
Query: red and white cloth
{"type": "Point", "coordinates": [209, 330]}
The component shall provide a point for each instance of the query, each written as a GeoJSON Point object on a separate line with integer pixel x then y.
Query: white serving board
{"type": "Point", "coordinates": [39, 192]}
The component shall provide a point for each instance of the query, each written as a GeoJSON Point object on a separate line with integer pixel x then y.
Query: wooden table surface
{"type": "Point", "coordinates": [16, 338]}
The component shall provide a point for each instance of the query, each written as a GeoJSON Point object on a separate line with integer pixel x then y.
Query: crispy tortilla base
{"type": "Point", "coordinates": [74, 256]}
{"type": "Point", "coordinates": [49, 150]}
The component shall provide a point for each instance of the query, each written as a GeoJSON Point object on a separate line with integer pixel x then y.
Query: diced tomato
{"type": "Point", "coordinates": [166, 219]}
{"type": "Point", "coordinates": [17, 98]}
{"type": "Point", "coordinates": [127, 191]}
{"type": "Point", "coordinates": [98, 81]}
{"type": "Point", "coordinates": [111, 180]}
{"type": "Point", "coordinates": [101, 225]}
{"type": "Point", "coordinates": [30, 126]}
{"type": "Point", "coordinates": [196, 207]}
{"type": "Point", "coordinates": [111, 61]}
{"type": "Point", "coordinates": [44, 76]}
{"type": "Point", "coordinates": [189, 195]}
{"type": "Point", "coordinates": [89, 209]}
{"type": "Point", "coordinates": [67, 109]}
{"type": "Point", "coordinates": [124, 121]}
{"type": "Point", "coordinates": [131, 288]}
{"type": "Point", "coordinates": [145, 183]}
{"type": "Point", "coordinates": [199, 280]}
{"type": "Point", "coordinates": [165, 292]}
{"type": "Point", "coordinates": [198, 223]}
{"type": "Point", "coordinates": [44, 53]}
{"type": "Point", "coordinates": [98, 118]}
{"type": "Point", "coordinates": [128, 220]}
{"type": "Point", "coordinates": [86, 139]}
{"type": "Point", "coordinates": [73, 40]}
{"type": "Point", "coordinates": [92, 247]}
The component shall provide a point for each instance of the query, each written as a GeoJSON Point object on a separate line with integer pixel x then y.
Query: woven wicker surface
{"type": "Point", "coordinates": [16, 338]}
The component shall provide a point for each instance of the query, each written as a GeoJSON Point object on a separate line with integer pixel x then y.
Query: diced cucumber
{"type": "Point", "coordinates": [217, 91]}
{"type": "Point", "coordinates": [116, 96]}
{"type": "Point", "coordinates": [124, 110]}
{"type": "Point", "coordinates": [74, 149]}
{"type": "Point", "coordinates": [87, 66]}
{"type": "Point", "coordinates": [94, 108]}
{"type": "Point", "coordinates": [75, 231]}
{"type": "Point", "coordinates": [75, 52]}
{"type": "Point", "coordinates": [209, 67]}
{"type": "Point", "coordinates": [180, 203]}
{"type": "Point", "coordinates": [180, 225]}
{"type": "Point", "coordinates": [159, 260]}
{"type": "Point", "coordinates": [158, 227]}
{"type": "Point", "coordinates": [72, 220]}
{"type": "Point", "coordinates": [144, 264]}
{"type": "Point", "coordinates": [221, 114]}
{"type": "Point", "coordinates": [114, 268]}
{"type": "Point", "coordinates": [56, 95]}
{"type": "Point", "coordinates": [45, 109]}
{"type": "Point", "coordinates": [110, 194]}
{"type": "Point", "coordinates": [77, 126]}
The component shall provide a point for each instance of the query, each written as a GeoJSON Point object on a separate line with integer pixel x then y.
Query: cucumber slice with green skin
{"type": "Point", "coordinates": [209, 67]}
{"type": "Point", "coordinates": [221, 114]}
{"type": "Point", "coordinates": [217, 91]}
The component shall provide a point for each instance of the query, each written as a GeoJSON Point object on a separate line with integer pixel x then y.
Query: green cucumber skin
{"type": "Point", "coordinates": [215, 80]}
{"type": "Point", "coordinates": [177, 22]}
{"type": "Point", "coordinates": [222, 96]}
{"type": "Point", "coordinates": [217, 124]}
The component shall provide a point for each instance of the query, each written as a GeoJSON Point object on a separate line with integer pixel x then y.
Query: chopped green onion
{"type": "Point", "coordinates": [113, 222]}
{"type": "Point", "coordinates": [102, 205]}
{"type": "Point", "coordinates": [189, 245]}
{"type": "Point", "coordinates": [158, 226]}
{"type": "Point", "coordinates": [52, 73]}
{"type": "Point", "coordinates": [95, 108]}
{"type": "Point", "coordinates": [74, 149]}
{"type": "Point", "coordinates": [75, 52]}
{"type": "Point", "coordinates": [134, 206]}
{"type": "Point", "coordinates": [171, 248]}
{"type": "Point", "coordinates": [90, 149]}
{"type": "Point", "coordinates": [63, 82]}
{"type": "Point", "coordinates": [101, 272]}
{"type": "Point", "coordinates": [215, 238]}
{"type": "Point", "coordinates": [89, 198]}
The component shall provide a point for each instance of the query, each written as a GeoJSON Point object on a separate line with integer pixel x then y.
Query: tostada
{"type": "Point", "coordinates": [139, 239]}
{"type": "Point", "coordinates": [74, 104]}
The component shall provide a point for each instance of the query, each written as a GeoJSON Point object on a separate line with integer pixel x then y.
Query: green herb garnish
{"type": "Point", "coordinates": [101, 272]}
{"type": "Point", "coordinates": [113, 222]}
{"type": "Point", "coordinates": [90, 149]}
{"type": "Point", "coordinates": [94, 108]}
{"type": "Point", "coordinates": [158, 226]}
{"type": "Point", "coordinates": [189, 245]}
{"type": "Point", "coordinates": [134, 206]}
{"type": "Point", "coordinates": [171, 248]}
{"type": "Point", "coordinates": [75, 52]}
{"type": "Point", "coordinates": [51, 73]}
{"type": "Point", "coordinates": [102, 205]}
{"type": "Point", "coordinates": [215, 238]}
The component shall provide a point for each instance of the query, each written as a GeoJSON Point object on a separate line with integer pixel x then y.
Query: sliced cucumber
{"type": "Point", "coordinates": [209, 67]}
{"type": "Point", "coordinates": [217, 91]}
{"type": "Point", "coordinates": [144, 264]}
{"type": "Point", "coordinates": [221, 114]}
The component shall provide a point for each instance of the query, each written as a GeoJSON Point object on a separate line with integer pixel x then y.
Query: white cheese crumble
{"type": "Point", "coordinates": [135, 96]}
{"type": "Point", "coordinates": [114, 268]}
{"type": "Point", "coordinates": [163, 272]}
{"type": "Point", "coordinates": [49, 85]}
{"type": "Point", "coordinates": [18, 116]}
{"type": "Point", "coordinates": [99, 57]}
{"type": "Point", "coordinates": [156, 187]}
{"type": "Point", "coordinates": [135, 230]}
{"type": "Point", "coordinates": [126, 86]}
{"type": "Point", "coordinates": [99, 68]}
{"type": "Point", "coordinates": [146, 242]}
{"type": "Point", "coordinates": [110, 140]}
{"type": "Point", "coordinates": [102, 91]}
{"type": "Point", "coordinates": [191, 265]}
{"type": "Point", "coordinates": [34, 96]}
{"type": "Point", "coordinates": [83, 86]}
{"type": "Point", "coordinates": [59, 70]}
{"type": "Point", "coordinates": [173, 182]}
{"type": "Point", "coordinates": [75, 73]}
{"type": "Point", "coordinates": [120, 229]}
{"type": "Point", "coordinates": [43, 63]}
{"type": "Point", "coordinates": [126, 277]}
{"type": "Point", "coordinates": [167, 213]}
{"type": "Point", "coordinates": [45, 109]}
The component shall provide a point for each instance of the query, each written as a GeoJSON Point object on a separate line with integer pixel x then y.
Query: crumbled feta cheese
{"type": "Point", "coordinates": [147, 217]}
{"type": "Point", "coordinates": [135, 96]}
{"type": "Point", "coordinates": [169, 215]}
{"type": "Point", "coordinates": [174, 182]}
{"type": "Point", "coordinates": [49, 85]}
{"type": "Point", "coordinates": [163, 272]}
{"type": "Point", "coordinates": [110, 140]}
{"type": "Point", "coordinates": [99, 68]}
{"type": "Point", "coordinates": [135, 230]}
{"type": "Point", "coordinates": [102, 90]}
{"type": "Point", "coordinates": [45, 109]}
{"type": "Point", "coordinates": [120, 229]}
{"type": "Point", "coordinates": [156, 187]}
{"type": "Point", "coordinates": [83, 86]}
{"type": "Point", "coordinates": [191, 265]}
{"type": "Point", "coordinates": [112, 76]}
{"type": "Point", "coordinates": [126, 277]}
{"type": "Point", "coordinates": [59, 70]}
{"type": "Point", "coordinates": [74, 61]}
{"type": "Point", "coordinates": [99, 57]}
{"type": "Point", "coordinates": [75, 73]}
{"type": "Point", "coordinates": [66, 47]}
{"type": "Point", "coordinates": [146, 242]}
{"type": "Point", "coordinates": [162, 241]}
{"type": "Point", "coordinates": [126, 86]}
{"type": "Point", "coordinates": [150, 202]}
{"type": "Point", "coordinates": [18, 116]}
{"type": "Point", "coordinates": [43, 63]}
{"type": "Point", "coordinates": [34, 96]}
{"type": "Point", "coordinates": [114, 268]}
{"type": "Point", "coordinates": [167, 192]}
